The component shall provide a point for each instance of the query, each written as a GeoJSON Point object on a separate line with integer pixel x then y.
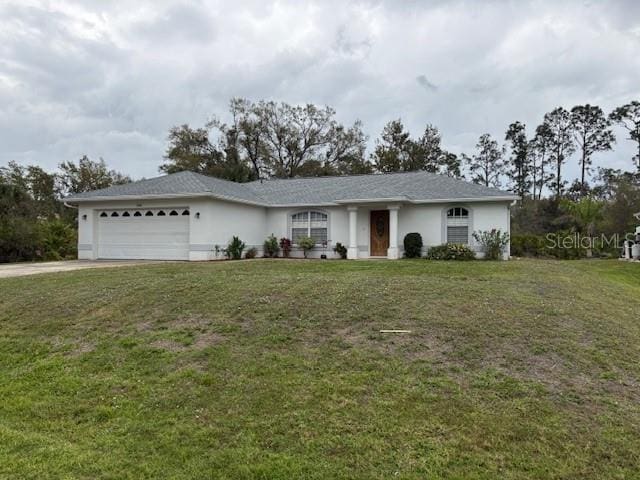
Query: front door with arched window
{"type": "Point", "coordinates": [379, 233]}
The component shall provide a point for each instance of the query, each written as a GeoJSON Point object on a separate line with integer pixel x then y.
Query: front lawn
{"type": "Point", "coordinates": [276, 369]}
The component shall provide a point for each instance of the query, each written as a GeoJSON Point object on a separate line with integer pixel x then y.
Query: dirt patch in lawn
{"type": "Point", "coordinates": [201, 341]}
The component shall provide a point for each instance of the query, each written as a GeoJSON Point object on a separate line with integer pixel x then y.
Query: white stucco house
{"type": "Point", "coordinates": [184, 216]}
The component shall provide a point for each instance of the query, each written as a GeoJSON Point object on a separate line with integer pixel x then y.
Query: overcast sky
{"type": "Point", "coordinates": [108, 79]}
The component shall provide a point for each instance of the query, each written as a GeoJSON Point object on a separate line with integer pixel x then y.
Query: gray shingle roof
{"type": "Point", "coordinates": [413, 187]}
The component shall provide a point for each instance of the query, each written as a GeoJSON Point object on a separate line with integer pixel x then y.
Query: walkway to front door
{"type": "Point", "coordinates": [379, 228]}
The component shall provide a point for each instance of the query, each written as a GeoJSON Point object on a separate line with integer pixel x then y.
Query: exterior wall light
{"type": "Point", "coordinates": [84, 217]}
{"type": "Point", "coordinates": [197, 214]}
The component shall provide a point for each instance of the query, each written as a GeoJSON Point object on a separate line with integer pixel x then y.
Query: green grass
{"type": "Point", "coordinates": [277, 369]}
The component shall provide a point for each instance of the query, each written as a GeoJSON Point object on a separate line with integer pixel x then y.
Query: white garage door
{"type": "Point", "coordinates": [149, 234]}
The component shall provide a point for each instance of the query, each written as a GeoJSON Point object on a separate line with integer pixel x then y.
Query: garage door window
{"type": "Point", "coordinates": [149, 213]}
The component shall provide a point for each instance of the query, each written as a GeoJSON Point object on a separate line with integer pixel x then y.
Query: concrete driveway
{"type": "Point", "coordinates": [21, 269]}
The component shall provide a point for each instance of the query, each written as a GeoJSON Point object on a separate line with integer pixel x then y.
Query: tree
{"type": "Point", "coordinates": [394, 149]}
{"type": "Point", "coordinates": [520, 168]}
{"type": "Point", "coordinates": [268, 139]}
{"type": "Point", "coordinates": [608, 180]}
{"type": "Point", "coordinates": [345, 154]}
{"type": "Point", "coordinates": [592, 134]}
{"type": "Point", "coordinates": [14, 174]}
{"type": "Point", "coordinates": [585, 213]}
{"type": "Point", "coordinates": [619, 210]}
{"type": "Point", "coordinates": [450, 165]}
{"type": "Point", "coordinates": [561, 142]}
{"type": "Point", "coordinates": [429, 154]}
{"type": "Point", "coordinates": [88, 175]}
{"type": "Point", "coordinates": [42, 187]}
{"type": "Point", "coordinates": [628, 116]}
{"type": "Point", "coordinates": [487, 165]}
{"type": "Point", "coordinates": [539, 150]}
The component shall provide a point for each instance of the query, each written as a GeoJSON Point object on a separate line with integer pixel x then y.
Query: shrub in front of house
{"type": "Point", "coordinates": [451, 251]}
{"type": "Point", "coordinates": [235, 248]}
{"type": "Point", "coordinates": [494, 243]}
{"type": "Point", "coordinates": [561, 245]}
{"type": "Point", "coordinates": [251, 253]}
{"type": "Point", "coordinates": [413, 245]}
{"type": "Point", "coordinates": [527, 245]}
{"type": "Point", "coordinates": [271, 247]}
{"type": "Point", "coordinates": [340, 250]}
{"type": "Point", "coordinates": [285, 246]}
{"type": "Point", "coordinates": [306, 244]}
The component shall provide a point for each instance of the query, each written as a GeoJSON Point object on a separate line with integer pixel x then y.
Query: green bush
{"type": "Point", "coordinates": [340, 250]}
{"type": "Point", "coordinates": [451, 251]}
{"type": "Point", "coordinates": [561, 245]}
{"type": "Point", "coordinates": [413, 245]}
{"type": "Point", "coordinates": [59, 240]}
{"type": "Point", "coordinates": [235, 248]}
{"type": "Point", "coordinates": [527, 245]}
{"type": "Point", "coordinates": [20, 240]}
{"type": "Point", "coordinates": [25, 239]}
{"type": "Point", "coordinates": [494, 243]}
{"type": "Point", "coordinates": [251, 253]}
{"type": "Point", "coordinates": [306, 244]}
{"type": "Point", "coordinates": [271, 247]}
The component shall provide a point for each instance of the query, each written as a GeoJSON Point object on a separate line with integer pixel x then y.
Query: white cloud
{"type": "Point", "coordinates": [98, 78]}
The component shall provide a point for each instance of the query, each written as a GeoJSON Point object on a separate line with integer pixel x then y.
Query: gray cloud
{"type": "Point", "coordinates": [426, 84]}
{"type": "Point", "coordinates": [93, 77]}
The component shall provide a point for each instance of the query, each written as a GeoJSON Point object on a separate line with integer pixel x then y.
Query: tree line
{"type": "Point", "coordinates": [34, 224]}
{"type": "Point", "coordinates": [277, 140]}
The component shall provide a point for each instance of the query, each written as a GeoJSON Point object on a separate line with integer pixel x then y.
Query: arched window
{"type": "Point", "coordinates": [186, 212]}
{"type": "Point", "coordinates": [115, 214]}
{"type": "Point", "coordinates": [104, 214]}
{"type": "Point", "coordinates": [126, 214]}
{"type": "Point", "coordinates": [458, 225]}
{"type": "Point", "coordinates": [149, 214]}
{"type": "Point", "coordinates": [161, 213]}
{"type": "Point", "coordinates": [309, 224]}
{"type": "Point", "coordinates": [173, 213]}
{"type": "Point", "coordinates": [137, 214]}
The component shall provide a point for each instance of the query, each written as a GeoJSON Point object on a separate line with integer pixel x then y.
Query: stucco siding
{"type": "Point", "coordinates": [219, 221]}
{"type": "Point", "coordinates": [278, 223]}
{"type": "Point", "coordinates": [214, 222]}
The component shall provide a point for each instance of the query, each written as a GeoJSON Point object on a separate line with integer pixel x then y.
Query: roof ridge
{"type": "Point", "coordinates": [377, 174]}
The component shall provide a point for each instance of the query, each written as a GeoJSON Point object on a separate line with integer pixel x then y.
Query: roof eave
{"type": "Point", "coordinates": [169, 196]}
{"type": "Point", "coordinates": [495, 198]}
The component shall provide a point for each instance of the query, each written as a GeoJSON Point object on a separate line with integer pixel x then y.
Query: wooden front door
{"type": "Point", "coordinates": [379, 229]}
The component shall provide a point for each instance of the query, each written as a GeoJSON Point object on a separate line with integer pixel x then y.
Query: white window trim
{"type": "Point", "coordinates": [469, 217]}
{"type": "Point", "coordinates": [308, 212]}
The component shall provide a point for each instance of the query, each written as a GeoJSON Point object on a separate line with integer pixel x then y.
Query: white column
{"type": "Point", "coordinates": [352, 251]}
{"type": "Point", "coordinates": [393, 251]}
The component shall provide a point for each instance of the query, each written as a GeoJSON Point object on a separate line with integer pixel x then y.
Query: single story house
{"type": "Point", "coordinates": [189, 216]}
